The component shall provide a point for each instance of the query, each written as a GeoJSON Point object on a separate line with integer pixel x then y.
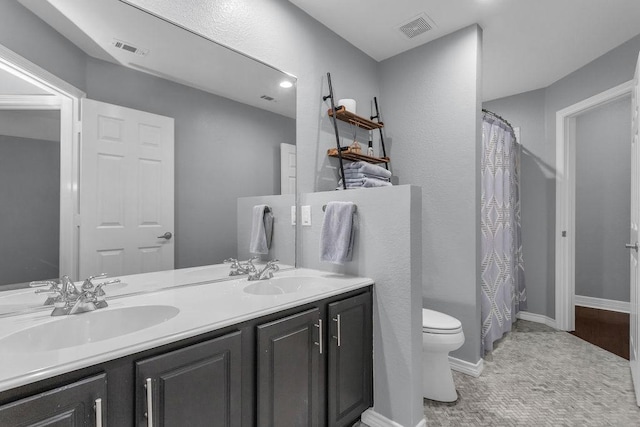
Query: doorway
{"type": "Point", "coordinates": [27, 87]}
{"type": "Point", "coordinates": [30, 208]}
{"type": "Point", "coordinates": [566, 219]}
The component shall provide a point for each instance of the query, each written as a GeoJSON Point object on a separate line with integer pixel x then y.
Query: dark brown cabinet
{"type": "Point", "coordinates": [198, 385]}
{"type": "Point", "coordinates": [82, 403]}
{"type": "Point", "coordinates": [349, 371]}
{"type": "Point", "coordinates": [288, 371]}
{"type": "Point", "coordinates": [315, 367]}
{"type": "Point", "coordinates": [304, 366]}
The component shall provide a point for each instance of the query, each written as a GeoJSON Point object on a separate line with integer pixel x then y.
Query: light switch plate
{"type": "Point", "coordinates": [293, 215]}
{"type": "Point", "coordinates": [306, 215]}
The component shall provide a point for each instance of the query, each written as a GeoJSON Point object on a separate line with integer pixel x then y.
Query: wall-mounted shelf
{"type": "Point", "coordinates": [355, 157]}
{"type": "Point", "coordinates": [351, 118]}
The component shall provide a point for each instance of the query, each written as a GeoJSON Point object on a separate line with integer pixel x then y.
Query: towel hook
{"type": "Point", "coordinates": [355, 208]}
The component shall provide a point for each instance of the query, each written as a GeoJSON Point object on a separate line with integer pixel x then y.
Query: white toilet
{"type": "Point", "coordinates": [441, 334]}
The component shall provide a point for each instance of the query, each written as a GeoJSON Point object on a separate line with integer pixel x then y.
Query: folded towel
{"type": "Point", "coordinates": [365, 183]}
{"type": "Point", "coordinates": [352, 174]}
{"type": "Point", "coordinates": [261, 230]}
{"type": "Point", "coordinates": [364, 167]}
{"type": "Point", "coordinates": [358, 175]}
{"type": "Point", "coordinates": [337, 235]}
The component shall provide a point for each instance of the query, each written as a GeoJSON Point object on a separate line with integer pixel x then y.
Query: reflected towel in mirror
{"type": "Point", "coordinates": [261, 230]}
{"type": "Point", "coordinates": [338, 232]}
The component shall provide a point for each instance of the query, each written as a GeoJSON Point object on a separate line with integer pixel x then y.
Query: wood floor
{"type": "Point", "coordinates": [606, 329]}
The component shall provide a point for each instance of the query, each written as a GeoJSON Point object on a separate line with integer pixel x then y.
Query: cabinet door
{"type": "Point", "coordinates": [350, 359]}
{"type": "Point", "coordinates": [288, 365]}
{"type": "Point", "coordinates": [199, 385]}
{"type": "Point", "coordinates": [73, 405]}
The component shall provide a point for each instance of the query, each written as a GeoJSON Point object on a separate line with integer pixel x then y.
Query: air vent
{"type": "Point", "coordinates": [417, 25]}
{"type": "Point", "coordinates": [267, 98]}
{"type": "Point", "coordinates": [129, 47]}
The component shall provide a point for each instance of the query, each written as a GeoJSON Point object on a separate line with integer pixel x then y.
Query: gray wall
{"type": "Point", "coordinates": [431, 110]}
{"type": "Point", "coordinates": [537, 187]}
{"type": "Point", "coordinates": [605, 72]}
{"type": "Point", "coordinates": [30, 223]}
{"type": "Point", "coordinates": [389, 251]}
{"type": "Point", "coordinates": [27, 35]}
{"type": "Point", "coordinates": [602, 201]}
{"type": "Point", "coordinates": [221, 148]}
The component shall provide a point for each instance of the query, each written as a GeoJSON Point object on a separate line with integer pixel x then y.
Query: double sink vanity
{"type": "Point", "coordinates": [192, 347]}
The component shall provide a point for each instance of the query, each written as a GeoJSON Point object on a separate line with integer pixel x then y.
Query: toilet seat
{"type": "Point", "coordinates": [434, 322]}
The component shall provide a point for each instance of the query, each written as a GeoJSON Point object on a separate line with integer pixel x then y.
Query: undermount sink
{"type": "Point", "coordinates": [79, 329]}
{"type": "Point", "coordinates": [287, 285]}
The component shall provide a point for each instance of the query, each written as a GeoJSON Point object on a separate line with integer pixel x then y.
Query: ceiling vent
{"type": "Point", "coordinates": [267, 98]}
{"type": "Point", "coordinates": [129, 47]}
{"type": "Point", "coordinates": [417, 25]}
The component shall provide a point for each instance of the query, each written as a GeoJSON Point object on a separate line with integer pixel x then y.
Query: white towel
{"type": "Point", "coordinates": [338, 232]}
{"type": "Point", "coordinates": [368, 168]}
{"type": "Point", "coordinates": [261, 230]}
{"type": "Point", "coordinates": [352, 174]}
{"type": "Point", "coordinates": [364, 183]}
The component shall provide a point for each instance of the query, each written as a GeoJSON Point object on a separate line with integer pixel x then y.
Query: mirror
{"type": "Point", "coordinates": [229, 111]}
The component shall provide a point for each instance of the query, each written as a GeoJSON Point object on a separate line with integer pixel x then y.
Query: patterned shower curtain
{"type": "Point", "coordinates": [503, 288]}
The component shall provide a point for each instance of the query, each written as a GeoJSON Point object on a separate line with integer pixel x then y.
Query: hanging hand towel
{"type": "Point", "coordinates": [337, 235]}
{"type": "Point", "coordinates": [261, 230]}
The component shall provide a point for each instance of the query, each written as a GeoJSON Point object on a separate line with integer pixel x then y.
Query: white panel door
{"type": "Point", "coordinates": [634, 320]}
{"type": "Point", "coordinates": [287, 169]}
{"type": "Point", "coordinates": [126, 191]}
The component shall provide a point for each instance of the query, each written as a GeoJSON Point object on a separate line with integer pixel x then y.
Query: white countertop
{"type": "Point", "coordinates": [204, 306]}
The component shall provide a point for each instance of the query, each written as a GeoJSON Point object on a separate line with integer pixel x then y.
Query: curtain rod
{"type": "Point", "coordinates": [505, 121]}
{"type": "Point", "coordinates": [497, 116]}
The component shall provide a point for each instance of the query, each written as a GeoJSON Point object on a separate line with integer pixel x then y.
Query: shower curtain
{"type": "Point", "coordinates": [503, 288]}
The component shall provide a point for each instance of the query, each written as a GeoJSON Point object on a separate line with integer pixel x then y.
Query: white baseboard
{"type": "Point", "coordinates": [473, 369]}
{"type": "Point", "coordinates": [602, 304]}
{"type": "Point", "coordinates": [374, 419]}
{"type": "Point", "coordinates": [538, 318]}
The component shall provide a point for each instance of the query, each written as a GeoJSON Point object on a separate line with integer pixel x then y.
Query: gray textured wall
{"type": "Point", "coordinates": [605, 72]}
{"type": "Point", "coordinates": [30, 223]}
{"type": "Point", "coordinates": [389, 251]}
{"type": "Point", "coordinates": [602, 201]}
{"type": "Point", "coordinates": [430, 96]}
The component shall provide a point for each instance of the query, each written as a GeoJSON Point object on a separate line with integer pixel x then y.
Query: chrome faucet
{"type": "Point", "coordinates": [266, 273]}
{"type": "Point", "coordinates": [239, 268]}
{"type": "Point", "coordinates": [71, 300]}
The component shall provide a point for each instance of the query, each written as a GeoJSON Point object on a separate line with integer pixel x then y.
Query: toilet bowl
{"type": "Point", "coordinates": [441, 334]}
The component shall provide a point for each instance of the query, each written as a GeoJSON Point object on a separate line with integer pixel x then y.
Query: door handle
{"type": "Point", "coordinates": [166, 235]}
{"type": "Point", "coordinates": [632, 246]}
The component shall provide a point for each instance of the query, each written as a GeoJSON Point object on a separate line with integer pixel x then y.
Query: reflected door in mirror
{"type": "Point", "coordinates": [126, 196]}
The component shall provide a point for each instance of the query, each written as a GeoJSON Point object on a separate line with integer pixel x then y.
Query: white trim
{"type": "Point", "coordinates": [565, 200]}
{"type": "Point", "coordinates": [373, 419]}
{"type": "Point", "coordinates": [473, 369]}
{"type": "Point", "coordinates": [538, 318]}
{"type": "Point", "coordinates": [603, 304]}
{"type": "Point", "coordinates": [65, 98]}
